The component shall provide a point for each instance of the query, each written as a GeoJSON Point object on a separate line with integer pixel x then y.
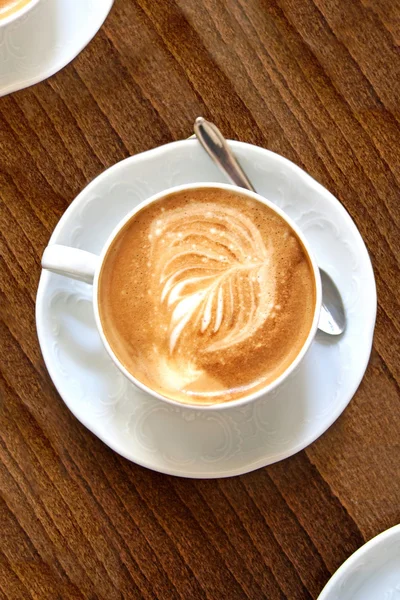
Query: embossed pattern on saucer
{"type": "Point", "coordinates": [180, 441]}
{"type": "Point", "coordinates": [46, 39]}
{"type": "Point", "coordinates": [371, 573]}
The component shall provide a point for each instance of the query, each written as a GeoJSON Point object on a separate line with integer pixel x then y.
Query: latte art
{"type": "Point", "coordinates": [213, 277]}
{"type": "Point", "coordinates": [206, 296]}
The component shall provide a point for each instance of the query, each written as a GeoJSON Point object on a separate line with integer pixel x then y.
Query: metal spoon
{"type": "Point", "coordinates": [332, 318]}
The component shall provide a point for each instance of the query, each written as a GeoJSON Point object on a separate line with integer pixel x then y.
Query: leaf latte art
{"type": "Point", "coordinates": [206, 295]}
{"type": "Point", "coordinates": [212, 275]}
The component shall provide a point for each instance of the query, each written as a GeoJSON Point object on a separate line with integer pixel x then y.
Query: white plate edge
{"type": "Point", "coordinates": [355, 557]}
{"type": "Point", "coordinates": [11, 88]}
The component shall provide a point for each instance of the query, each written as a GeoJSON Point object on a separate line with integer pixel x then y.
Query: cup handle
{"type": "Point", "coordinates": [71, 262]}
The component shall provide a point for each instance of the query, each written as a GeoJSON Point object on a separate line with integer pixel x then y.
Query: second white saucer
{"type": "Point", "coordinates": [371, 573]}
{"type": "Point", "coordinates": [46, 39]}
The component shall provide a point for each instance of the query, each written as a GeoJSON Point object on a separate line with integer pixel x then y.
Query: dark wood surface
{"type": "Point", "coordinates": [317, 81]}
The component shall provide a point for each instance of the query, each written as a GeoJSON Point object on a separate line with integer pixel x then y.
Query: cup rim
{"type": "Point", "coordinates": [293, 365]}
{"type": "Point", "coordinates": [18, 13]}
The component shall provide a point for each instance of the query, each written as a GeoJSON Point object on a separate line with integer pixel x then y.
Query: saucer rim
{"type": "Point", "coordinates": [353, 560]}
{"type": "Point", "coordinates": [46, 74]}
{"type": "Point", "coordinates": [259, 463]}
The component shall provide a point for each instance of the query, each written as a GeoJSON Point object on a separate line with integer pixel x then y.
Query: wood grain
{"type": "Point", "coordinates": [317, 81]}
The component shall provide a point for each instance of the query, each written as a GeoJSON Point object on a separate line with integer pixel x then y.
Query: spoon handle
{"type": "Point", "coordinates": [215, 144]}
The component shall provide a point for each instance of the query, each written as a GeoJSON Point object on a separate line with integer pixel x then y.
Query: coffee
{"type": "Point", "coordinates": [206, 296]}
{"type": "Point", "coordinates": [9, 7]}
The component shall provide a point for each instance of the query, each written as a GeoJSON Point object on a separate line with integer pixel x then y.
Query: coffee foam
{"type": "Point", "coordinates": [9, 7]}
{"type": "Point", "coordinates": [206, 296]}
{"type": "Point", "coordinates": [213, 275]}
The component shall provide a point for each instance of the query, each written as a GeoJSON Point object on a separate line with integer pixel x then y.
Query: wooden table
{"type": "Point", "coordinates": [317, 81]}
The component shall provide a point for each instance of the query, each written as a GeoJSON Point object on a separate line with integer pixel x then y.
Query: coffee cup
{"type": "Point", "coordinates": [12, 10]}
{"type": "Point", "coordinates": [92, 269]}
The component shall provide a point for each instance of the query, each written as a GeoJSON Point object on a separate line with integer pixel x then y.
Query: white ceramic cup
{"type": "Point", "coordinates": [85, 266]}
{"type": "Point", "coordinates": [18, 13]}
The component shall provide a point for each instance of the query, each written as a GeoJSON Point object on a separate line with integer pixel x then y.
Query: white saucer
{"type": "Point", "coordinates": [46, 39]}
{"type": "Point", "coordinates": [371, 573]}
{"type": "Point", "coordinates": [177, 440]}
